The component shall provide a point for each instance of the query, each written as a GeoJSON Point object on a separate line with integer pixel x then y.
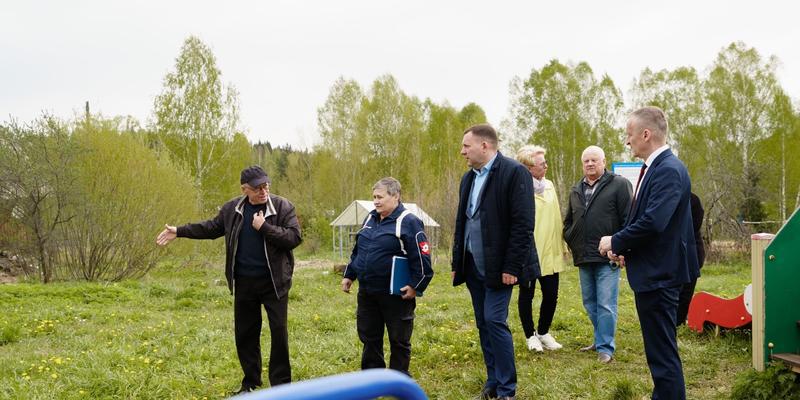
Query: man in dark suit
{"type": "Point", "coordinates": [493, 248]}
{"type": "Point", "coordinates": [657, 245]}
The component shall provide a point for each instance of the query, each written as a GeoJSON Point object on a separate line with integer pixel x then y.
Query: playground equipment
{"type": "Point", "coordinates": [771, 303]}
{"type": "Point", "coordinates": [733, 313]}
{"type": "Point", "coordinates": [360, 385]}
{"type": "Point", "coordinates": [776, 296]}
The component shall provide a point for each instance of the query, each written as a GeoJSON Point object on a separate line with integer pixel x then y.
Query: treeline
{"type": "Point", "coordinates": [732, 124]}
{"type": "Point", "coordinates": [83, 199]}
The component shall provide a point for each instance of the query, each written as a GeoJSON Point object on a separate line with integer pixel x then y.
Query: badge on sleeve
{"type": "Point", "coordinates": [424, 248]}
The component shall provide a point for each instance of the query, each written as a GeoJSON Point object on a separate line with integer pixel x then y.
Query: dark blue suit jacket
{"type": "Point", "coordinates": [507, 213]}
{"type": "Point", "coordinates": [658, 238]}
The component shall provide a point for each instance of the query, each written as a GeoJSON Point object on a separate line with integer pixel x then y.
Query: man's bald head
{"type": "Point", "coordinates": [594, 162]}
{"type": "Point", "coordinates": [596, 150]}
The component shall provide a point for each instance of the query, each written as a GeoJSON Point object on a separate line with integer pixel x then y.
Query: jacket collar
{"type": "Point", "coordinates": [396, 213]}
{"type": "Point", "coordinates": [270, 207]}
{"type": "Point", "coordinates": [601, 182]}
{"type": "Point", "coordinates": [658, 160]}
{"type": "Point", "coordinates": [648, 172]}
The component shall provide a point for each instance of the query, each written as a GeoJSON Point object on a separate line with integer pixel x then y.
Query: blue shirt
{"type": "Point", "coordinates": [477, 184]}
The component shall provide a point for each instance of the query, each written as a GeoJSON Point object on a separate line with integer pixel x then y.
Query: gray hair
{"type": "Point", "coordinates": [594, 149]}
{"type": "Point", "coordinates": [391, 185]}
{"type": "Point", "coordinates": [652, 118]}
{"type": "Point", "coordinates": [527, 153]}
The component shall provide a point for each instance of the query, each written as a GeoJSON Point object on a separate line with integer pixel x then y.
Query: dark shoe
{"type": "Point", "coordinates": [604, 358]}
{"type": "Point", "coordinates": [488, 394]}
{"type": "Point", "coordinates": [244, 389]}
{"type": "Point", "coordinates": [588, 348]}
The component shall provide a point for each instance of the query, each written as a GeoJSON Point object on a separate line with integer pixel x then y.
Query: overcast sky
{"type": "Point", "coordinates": [283, 56]}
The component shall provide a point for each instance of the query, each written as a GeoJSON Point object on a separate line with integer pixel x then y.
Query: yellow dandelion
{"type": "Point", "coordinates": [54, 376]}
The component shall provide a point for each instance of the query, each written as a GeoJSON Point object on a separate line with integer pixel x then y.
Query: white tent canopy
{"type": "Point", "coordinates": [357, 211]}
{"type": "Point", "coordinates": [345, 227]}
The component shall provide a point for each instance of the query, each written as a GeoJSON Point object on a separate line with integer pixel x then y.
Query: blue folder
{"type": "Point", "coordinates": [400, 275]}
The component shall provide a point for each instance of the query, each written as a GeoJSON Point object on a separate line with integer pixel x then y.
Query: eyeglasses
{"type": "Point", "coordinates": [262, 187]}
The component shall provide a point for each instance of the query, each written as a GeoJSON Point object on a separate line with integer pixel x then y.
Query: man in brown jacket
{"type": "Point", "coordinates": [260, 230]}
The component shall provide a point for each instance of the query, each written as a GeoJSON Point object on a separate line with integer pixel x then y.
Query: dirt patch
{"type": "Point", "coordinates": [314, 264]}
{"type": "Point", "coordinates": [10, 268]}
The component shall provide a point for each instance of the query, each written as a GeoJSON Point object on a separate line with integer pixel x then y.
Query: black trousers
{"type": "Point", "coordinates": [685, 298]}
{"type": "Point", "coordinates": [250, 295]}
{"type": "Point", "coordinates": [657, 310]}
{"type": "Point", "coordinates": [547, 309]}
{"type": "Point", "coordinates": [375, 311]}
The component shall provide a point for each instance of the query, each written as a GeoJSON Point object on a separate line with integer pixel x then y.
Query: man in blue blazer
{"type": "Point", "coordinates": [657, 245]}
{"type": "Point", "coordinates": [493, 248]}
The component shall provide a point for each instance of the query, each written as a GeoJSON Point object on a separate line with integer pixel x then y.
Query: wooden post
{"type": "Point", "coordinates": [759, 243]}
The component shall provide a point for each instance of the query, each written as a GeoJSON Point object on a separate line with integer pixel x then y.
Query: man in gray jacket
{"type": "Point", "coordinates": [598, 205]}
{"type": "Point", "coordinates": [260, 230]}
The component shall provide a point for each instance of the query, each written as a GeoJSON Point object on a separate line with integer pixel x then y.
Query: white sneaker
{"type": "Point", "coordinates": [535, 344]}
{"type": "Point", "coordinates": [548, 342]}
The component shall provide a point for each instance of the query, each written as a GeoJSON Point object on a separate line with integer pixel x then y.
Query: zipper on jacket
{"type": "Point", "coordinates": [269, 268]}
{"type": "Point", "coordinates": [235, 240]}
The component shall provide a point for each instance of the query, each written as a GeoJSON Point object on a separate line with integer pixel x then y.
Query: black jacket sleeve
{"type": "Point", "coordinates": [520, 239]}
{"type": "Point", "coordinates": [284, 232]}
{"type": "Point", "coordinates": [210, 229]}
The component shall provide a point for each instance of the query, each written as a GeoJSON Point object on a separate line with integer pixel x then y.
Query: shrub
{"type": "Point", "coordinates": [127, 193]}
{"type": "Point", "coordinates": [776, 382]}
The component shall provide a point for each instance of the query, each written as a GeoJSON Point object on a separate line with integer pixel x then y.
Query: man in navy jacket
{"type": "Point", "coordinates": [493, 248]}
{"type": "Point", "coordinates": [657, 245]}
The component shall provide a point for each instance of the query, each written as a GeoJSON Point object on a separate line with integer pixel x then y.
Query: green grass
{"type": "Point", "coordinates": [170, 335]}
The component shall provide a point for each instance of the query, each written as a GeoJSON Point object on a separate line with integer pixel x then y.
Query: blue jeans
{"type": "Point", "coordinates": [491, 316]}
{"type": "Point", "coordinates": [599, 289]}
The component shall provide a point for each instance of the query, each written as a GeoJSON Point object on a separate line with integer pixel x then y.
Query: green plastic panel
{"type": "Point", "coordinates": [782, 290]}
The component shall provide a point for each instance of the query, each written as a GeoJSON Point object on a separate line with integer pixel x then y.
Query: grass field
{"type": "Point", "coordinates": [170, 335]}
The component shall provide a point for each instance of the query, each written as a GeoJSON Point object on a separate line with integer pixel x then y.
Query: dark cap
{"type": "Point", "coordinates": [254, 176]}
